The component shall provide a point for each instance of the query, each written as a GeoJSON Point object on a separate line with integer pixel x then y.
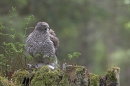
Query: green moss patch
{"type": "Point", "coordinates": [94, 79]}
{"type": "Point", "coordinates": [45, 76]}
{"type": "Point", "coordinates": [18, 76]}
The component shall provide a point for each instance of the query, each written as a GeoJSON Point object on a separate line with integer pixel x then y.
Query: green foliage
{"type": "Point", "coordinates": [75, 54]}
{"type": "Point", "coordinates": [13, 50]}
{"type": "Point", "coordinates": [127, 25]}
{"type": "Point", "coordinates": [127, 2]}
{"type": "Point", "coordinates": [120, 57]}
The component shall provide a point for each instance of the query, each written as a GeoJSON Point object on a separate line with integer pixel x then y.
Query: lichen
{"type": "Point", "coordinates": [77, 75]}
{"type": "Point", "coordinates": [81, 75]}
{"type": "Point", "coordinates": [112, 75]}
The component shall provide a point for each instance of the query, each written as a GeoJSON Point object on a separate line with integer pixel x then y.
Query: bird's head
{"type": "Point", "coordinates": [42, 27]}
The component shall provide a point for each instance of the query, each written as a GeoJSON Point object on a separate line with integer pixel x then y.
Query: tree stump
{"type": "Point", "coordinates": [69, 75]}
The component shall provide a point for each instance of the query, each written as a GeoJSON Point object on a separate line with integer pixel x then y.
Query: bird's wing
{"type": "Point", "coordinates": [31, 44]}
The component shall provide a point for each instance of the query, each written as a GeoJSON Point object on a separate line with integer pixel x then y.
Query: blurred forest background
{"type": "Point", "coordinates": [98, 29]}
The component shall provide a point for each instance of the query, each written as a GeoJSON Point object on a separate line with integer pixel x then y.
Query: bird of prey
{"type": "Point", "coordinates": [42, 44]}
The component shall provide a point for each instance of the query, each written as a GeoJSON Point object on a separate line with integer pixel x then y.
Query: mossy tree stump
{"type": "Point", "coordinates": [71, 75]}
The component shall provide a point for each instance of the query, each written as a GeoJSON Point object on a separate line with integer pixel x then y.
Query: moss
{"type": "Point", "coordinates": [74, 75]}
{"type": "Point", "coordinates": [80, 69]}
{"type": "Point", "coordinates": [5, 82]}
{"type": "Point", "coordinates": [18, 76]}
{"type": "Point", "coordinates": [94, 80]}
{"type": "Point", "coordinates": [112, 75]}
{"type": "Point", "coordinates": [81, 74]}
{"type": "Point", "coordinates": [64, 81]}
{"type": "Point", "coordinates": [45, 76]}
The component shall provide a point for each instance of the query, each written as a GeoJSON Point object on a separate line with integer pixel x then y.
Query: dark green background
{"type": "Point", "coordinates": [98, 29]}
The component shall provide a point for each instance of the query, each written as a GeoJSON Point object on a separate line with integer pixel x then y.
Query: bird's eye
{"type": "Point", "coordinates": [45, 28]}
